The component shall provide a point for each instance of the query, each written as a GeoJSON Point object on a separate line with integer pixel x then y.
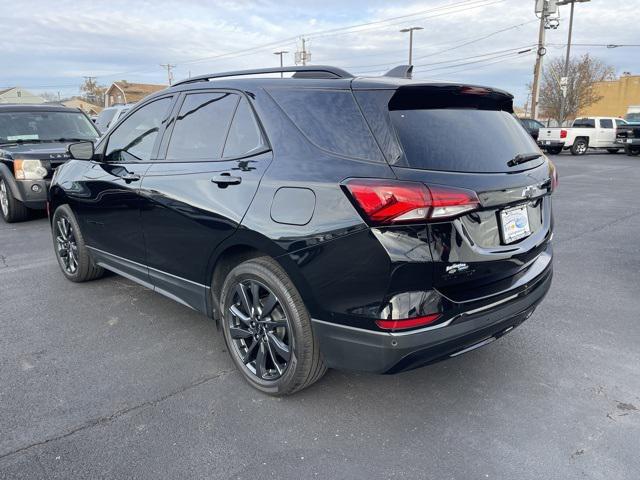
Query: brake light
{"type": "Point", "coordinates": [391, 201]}
{"type": "Point", "coordinates": [563, 134]}
{"type": "Point", "coordinates": [408, 322]}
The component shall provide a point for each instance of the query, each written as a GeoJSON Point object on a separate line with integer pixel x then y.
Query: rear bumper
{"type": "Point", "coordinates": [33, 193]}
{"type": "Point", "coordinates": [550, 144]}
{"type": "Point", "coordinates": [351, 348]}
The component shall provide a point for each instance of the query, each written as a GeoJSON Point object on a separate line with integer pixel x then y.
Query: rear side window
{"type": "Point", "coordinates": [201, 126]}
{"type": "Point", "coordinates": [331, 120]}
{"type": "Point", "coordinates": [244, 136]}
{"type": "Point", "coordinates": [606, 123]}
{"type": "Point", "coordinates": [584, 123]}
{"type": "Point", "coordinates": [461, 140]}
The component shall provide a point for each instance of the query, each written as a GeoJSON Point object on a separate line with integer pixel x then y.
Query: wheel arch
{"type": "Point", "coordinates": [10, 181]}
{"type": "Point", "coordinates": [240, 247]}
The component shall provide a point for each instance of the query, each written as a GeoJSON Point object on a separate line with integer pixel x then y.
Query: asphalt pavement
{"type": "Point", "coordinates": [109, 380]}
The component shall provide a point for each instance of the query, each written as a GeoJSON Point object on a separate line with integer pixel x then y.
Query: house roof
{"type": "Point", "coordinates": [136, 91]}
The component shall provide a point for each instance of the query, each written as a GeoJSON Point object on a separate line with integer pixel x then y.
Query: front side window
{"type": "Point", "coordinates": [606, 123]}
{"type": "Point", "coordinates": [620, 122]}
{"type": "Point", "coordinates": [134, 138]}
{"type": "Point", "coordinates": [201, 126]}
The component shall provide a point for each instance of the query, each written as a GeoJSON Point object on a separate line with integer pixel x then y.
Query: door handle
{"type": "Point", "coordinates": [131, 177]}
{"type": "Point", "coordinates": [225, 179]}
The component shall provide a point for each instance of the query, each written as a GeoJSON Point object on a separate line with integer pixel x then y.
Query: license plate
{"type": "Point", "coordinates": [629, 140]}
{"type": "Point", "coordinates": [547, 142]}
{"type": "Point", "coordinates": [515, 223]}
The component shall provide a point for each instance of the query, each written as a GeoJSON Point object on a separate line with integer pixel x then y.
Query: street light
{"type": "Point", "coordinates": [566, 61]}
{"type": "Point", "coordinates": [281, 53]}
{"type": "Point", "coordinates": [410, 30]}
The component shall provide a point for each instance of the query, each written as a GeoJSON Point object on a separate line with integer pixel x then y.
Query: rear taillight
{"type": "Point", "coordinates": [408, 322]}
{"type": "Point", "coordinates": [391, 201]}
{"type": "Point", "coordinates": [563, 134]}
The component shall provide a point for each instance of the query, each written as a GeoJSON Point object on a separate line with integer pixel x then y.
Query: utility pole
{"type": "Point", "coordinates": [281, 53]}
{"type": "Point", "coordinates": [303, 56]}
{"type": "Point", "coordinates": [169, 68]}
{"type": "Point", "coordinates": [564, 81]}
{"type": "Point", "coordinates": [535, 91]}
{"type": "Point", "coordinates": [410, 30]}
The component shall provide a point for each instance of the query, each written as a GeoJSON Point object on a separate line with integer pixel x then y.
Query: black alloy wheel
{"type": "Point", "coordinates": [73, 255]}
{"type": "Point", "coordinates": [259, 330]}
{"type": "Point", "coordinates": [267, 328]}
{"type": "Point", "coordinates": [66, 244]}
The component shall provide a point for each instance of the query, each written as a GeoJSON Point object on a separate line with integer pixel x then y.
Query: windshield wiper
{"type": "Point", "coordinates": [522, 158]}
{"type": "Point", "coordinates": [69, 139]}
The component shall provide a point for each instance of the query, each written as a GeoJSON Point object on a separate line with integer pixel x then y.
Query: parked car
{"type": "Point", "coordinates": [109, 116]}
{"type": "Point", "coordinates": [324, 220]}
{"type": "Point", "coordinates": [585, 133]}
{"type": "Point", "coordinates": [532, 126]}
{"type": "Point", "coordinates": [33, 143]}
{"type": "Point", "coordinates": [633, 115]}
{"type": "Point", "coordinates": [628, 137]}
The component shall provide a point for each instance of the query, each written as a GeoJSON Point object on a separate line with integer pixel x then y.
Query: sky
{"type": "Point", "coordinates": [50, 45]}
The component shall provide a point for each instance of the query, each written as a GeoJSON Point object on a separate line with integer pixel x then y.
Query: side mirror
{"type": "Point", "coordinates": [81, 150]}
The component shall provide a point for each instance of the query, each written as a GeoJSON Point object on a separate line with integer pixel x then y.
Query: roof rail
{"type": "Point", "coordinates": [322, 71]}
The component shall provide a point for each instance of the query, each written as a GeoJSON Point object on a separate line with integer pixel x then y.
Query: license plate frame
{"type": "Point", "coordinates": [514, 223]}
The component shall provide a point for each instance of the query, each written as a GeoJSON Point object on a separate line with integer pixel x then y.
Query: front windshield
{"type": "Point", "coordinates": [633, 117]}
{"type": "Point", "coordinates": [45, 126]}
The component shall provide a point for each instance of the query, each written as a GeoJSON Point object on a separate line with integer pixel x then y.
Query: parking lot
{"type": "Point", "coordinates": [109, 380]}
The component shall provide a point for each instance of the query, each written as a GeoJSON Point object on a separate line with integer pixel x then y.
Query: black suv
{"type": "Point", "coordinates": [33, 143]}
{"type": "Point", "coordinates": [323, 220]}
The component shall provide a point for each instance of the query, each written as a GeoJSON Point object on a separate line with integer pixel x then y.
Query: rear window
{"type": "Point", "coordinates": [461, 140]}
{"type": "Point", "coordinates": [331, 120]}
{"type": "Point", "coordinates": [584, 123]}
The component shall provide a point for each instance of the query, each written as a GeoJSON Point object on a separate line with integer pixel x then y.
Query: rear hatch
{"type": "Point", "coordinates": [462, 137]}
{"type": "Point", "coordinates": [546, 133]}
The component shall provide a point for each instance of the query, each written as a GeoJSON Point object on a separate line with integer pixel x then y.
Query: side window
{"type": "Point", "coordinates": [584, 123]}
{"type": "Point", "coordinates": [606, 123]}
{"type": "Point", "coordinates": [201, 126]}
{"type": "Point", "coordinates": [331, 119]}
{"type": "Point", "coordinates": [620, 122]}
{"type": "Point", "coordinates": [244, 136]}
{"type": "Point", "coordinates": [133, 140]}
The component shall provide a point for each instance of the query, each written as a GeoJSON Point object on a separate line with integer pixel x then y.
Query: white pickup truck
{"type": "Point", "coordinates": [585, 133]}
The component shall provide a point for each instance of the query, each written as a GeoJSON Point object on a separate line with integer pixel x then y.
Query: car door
{"type": "Point", "coordinates": [110, 203]}
{"type": "Point", "coordinates": [606, 133]}
{"type": "Point", "coordinates": [215, 154]}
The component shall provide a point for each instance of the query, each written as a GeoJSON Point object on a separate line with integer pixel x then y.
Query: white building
{"type": "Point", "coordinates": [19, 95]}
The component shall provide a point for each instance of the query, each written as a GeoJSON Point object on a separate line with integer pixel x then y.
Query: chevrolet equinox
{"type": "Point", "coordinates": [323, 220]}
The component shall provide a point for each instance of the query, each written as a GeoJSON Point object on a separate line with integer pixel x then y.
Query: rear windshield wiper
{"type": "Point", "coordinates": [522, 158]}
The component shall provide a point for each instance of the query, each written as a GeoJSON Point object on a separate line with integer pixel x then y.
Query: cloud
{"type": "Point", "coordinates": [51, 45]}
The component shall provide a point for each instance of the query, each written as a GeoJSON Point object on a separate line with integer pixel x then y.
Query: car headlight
{"type": "Point", "coordinates": [29, 170]}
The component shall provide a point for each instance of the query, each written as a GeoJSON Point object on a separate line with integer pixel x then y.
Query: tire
{"type": "Point", "coordinates": [613, 150]}
{"type": "Point", "coordinates": [71, 251]}
{"type": "Point", "coordinates": [579, 147]}
{"type": "Point", "coordinates": [11, 209]}
{"type": "Point", "coordinates": [632, 152]}
{"type": "Point", "coordinates": [555, 150]}
{"type": "Point", "coordinates": [275, 350]}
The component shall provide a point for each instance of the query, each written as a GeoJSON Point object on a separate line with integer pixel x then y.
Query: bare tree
{"type": "Point", "coordinates": [92, 92]}
{"type": "Point", "coordinates": [583, 73]}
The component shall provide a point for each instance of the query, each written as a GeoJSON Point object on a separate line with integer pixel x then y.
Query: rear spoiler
{"type": "Point", "coordinates": [440, 96]}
